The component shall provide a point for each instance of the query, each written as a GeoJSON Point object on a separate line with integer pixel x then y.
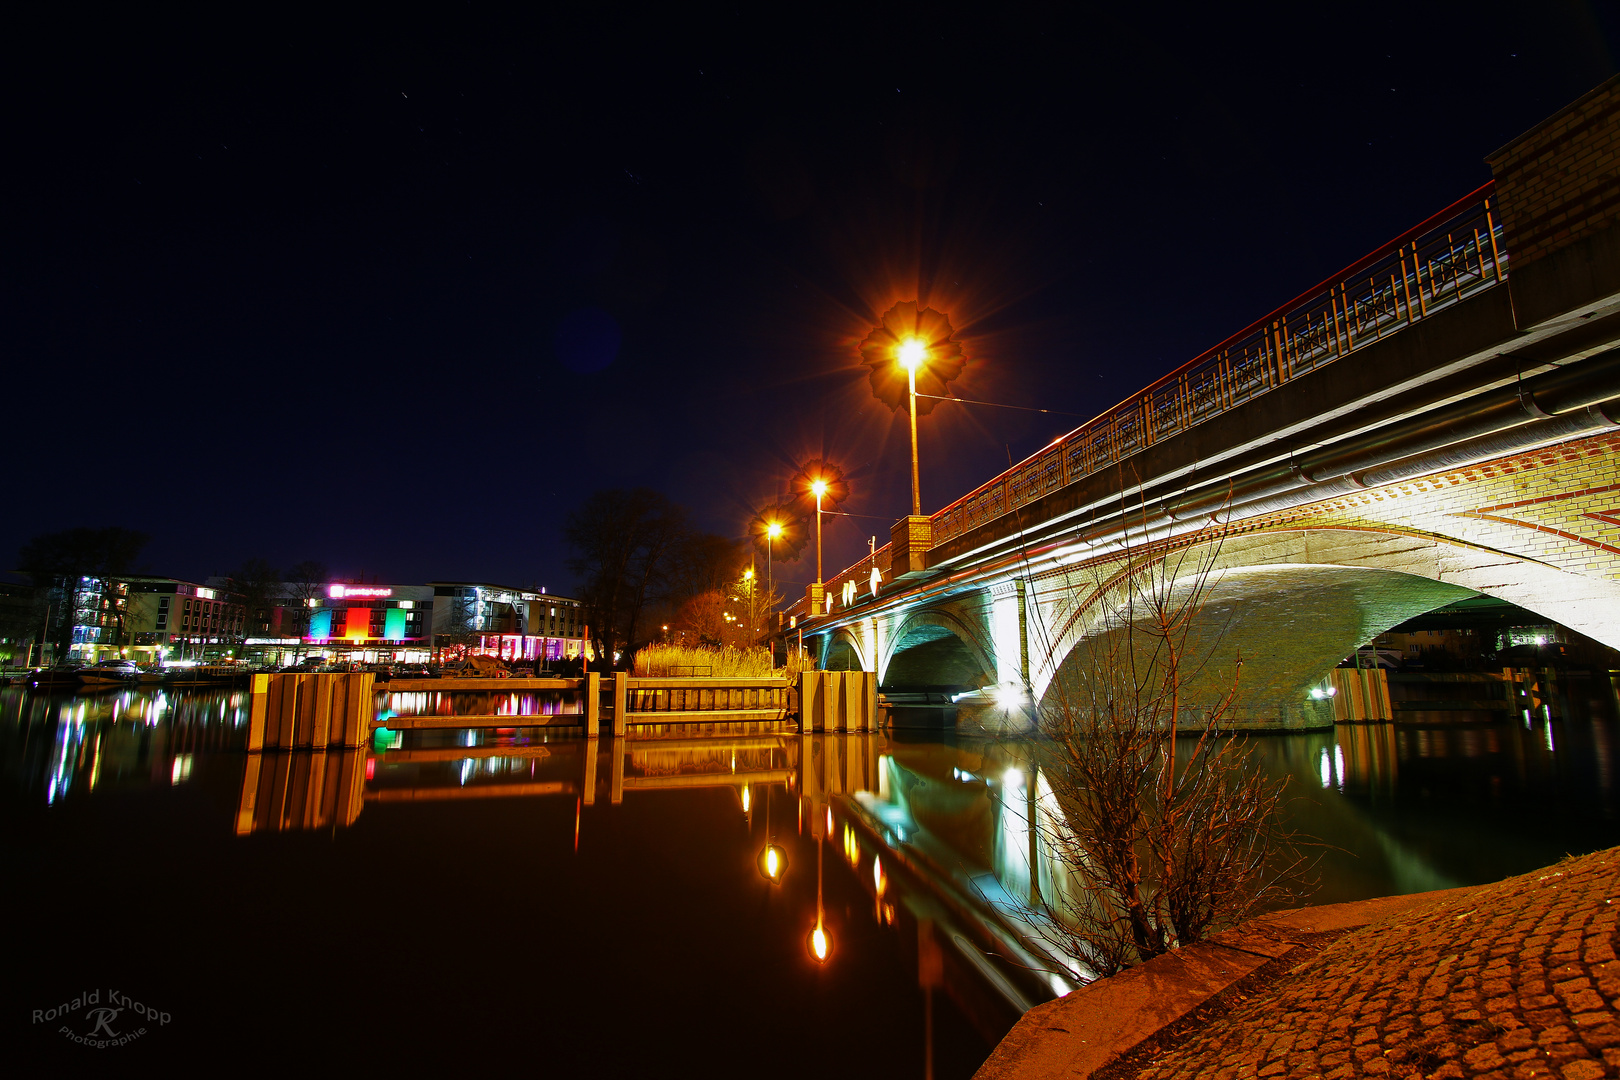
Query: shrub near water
{"type": "Point", "coordinates": [722, 663]}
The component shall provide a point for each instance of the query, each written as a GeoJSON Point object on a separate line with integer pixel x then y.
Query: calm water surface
{"type": "Point", "coordinates": [528, 899]}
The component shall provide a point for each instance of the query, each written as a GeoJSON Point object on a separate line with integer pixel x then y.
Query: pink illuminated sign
{"type": "Point", "coordinates": [338, 592]}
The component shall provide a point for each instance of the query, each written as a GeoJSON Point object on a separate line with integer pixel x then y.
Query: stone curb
{"type": "Point", "coordinates": [1079, 1033]}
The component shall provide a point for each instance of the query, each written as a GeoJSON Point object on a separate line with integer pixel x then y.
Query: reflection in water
{"type": "Point", "coordinates": [301, 789]}
{"type": "Point", "coordinates": [926, 879]}
{"type": "Point", "coordinates": [62, 744]}
{"type": "Point", "coordinates": [469, 703]}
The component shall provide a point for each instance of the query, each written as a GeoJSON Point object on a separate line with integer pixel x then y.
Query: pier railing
{"type": "Point", "coordinates": [699, 700]}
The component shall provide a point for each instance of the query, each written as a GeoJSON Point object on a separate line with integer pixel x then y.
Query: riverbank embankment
{"type": "Point", "coordinates": [1514, 979]}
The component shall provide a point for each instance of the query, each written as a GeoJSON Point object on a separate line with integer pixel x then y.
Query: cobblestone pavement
{"type": "Point", "coordinates": [1515, 980]}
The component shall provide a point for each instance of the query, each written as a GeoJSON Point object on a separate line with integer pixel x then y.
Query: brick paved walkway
{"type": "Point", "coordinates": [1515, 980]}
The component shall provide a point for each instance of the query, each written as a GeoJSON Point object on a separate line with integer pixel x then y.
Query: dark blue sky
{"type": "Point", "coordinates": [396, 294]}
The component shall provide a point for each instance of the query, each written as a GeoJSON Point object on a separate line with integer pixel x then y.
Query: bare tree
{"type": "Point", "coordinates": [80, 567]}
{"type": "Point", "coordinates": [634, 556]}
{"type": "Point", "coordinates": [305, 583]}
{"type": "Point", "coordinates": [255, 585]}
{"type": "Point", "coordinates": [461, 630]}
{"type": "Point", "coordinates": [1167, 828]}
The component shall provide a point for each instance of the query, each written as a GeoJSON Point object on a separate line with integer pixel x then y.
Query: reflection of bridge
{"type": "Point", "coordinates": [1421, 428]}
{"type": "Point", "coordinates": [876, 800]}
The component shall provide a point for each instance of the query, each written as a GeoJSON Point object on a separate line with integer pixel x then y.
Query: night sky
{"type": "Point", "coordinates": [396, 293]}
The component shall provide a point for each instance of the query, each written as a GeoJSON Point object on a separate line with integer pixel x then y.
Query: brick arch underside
{"type": "Point", "coordinates": [844, 653]}
{"type": "Point", "coordinates": [1297, 601]}
{"type": "Point", "coordinates": [943, 633]}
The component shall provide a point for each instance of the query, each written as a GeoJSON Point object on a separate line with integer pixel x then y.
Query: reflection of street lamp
{"type": "Point", "coordinates": [820, 489]}
{"type": "Point", "coordinates": [912, 354]}
{"type": "Point", "coordinates": [773, 863]}
{"type": "Point", "coordinates": [773, 860]}
{"type": "Point", "coordinates": [820, 944]}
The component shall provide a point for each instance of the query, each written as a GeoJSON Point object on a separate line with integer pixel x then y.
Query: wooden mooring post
{"type": "Point", "coordinates": [838, 701]}
{"type": "Point", "coordinates": [310, 711]}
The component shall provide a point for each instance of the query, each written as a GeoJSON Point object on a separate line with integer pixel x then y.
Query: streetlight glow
{"type": "Point", "coordinates": [912, 353]}
{"type": "Point", "coordinates": [774, 529]}
{"type": "Point", "coordinates": [818, 486]}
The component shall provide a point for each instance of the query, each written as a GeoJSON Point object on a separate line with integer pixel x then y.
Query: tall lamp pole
{"type": "Point", "coordinates": [772, 531]}
{"type": "Point", "coordinates": [912, 354]}
{"type": "Point", "coordinates": [820, 488]}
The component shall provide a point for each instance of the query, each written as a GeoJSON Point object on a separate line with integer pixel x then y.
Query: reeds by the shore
{"type": "Point", "coordinates": [721, 662]}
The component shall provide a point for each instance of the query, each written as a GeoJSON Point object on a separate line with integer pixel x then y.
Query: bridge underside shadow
{"type": "Point", "coordinates": [1290, 624]}
{"type": "Point", "coordinates": [934, 656]}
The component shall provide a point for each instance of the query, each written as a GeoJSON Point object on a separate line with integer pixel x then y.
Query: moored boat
{"type": "Point", "coordinates": [49, 678]}
{"type": "Point", "coordinates": [109, 673]}
{"type": "Point", "coordinates": [205, 675]}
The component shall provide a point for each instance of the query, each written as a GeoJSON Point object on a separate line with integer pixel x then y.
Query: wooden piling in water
{"type": "Point", "coordinates": [309, 711]}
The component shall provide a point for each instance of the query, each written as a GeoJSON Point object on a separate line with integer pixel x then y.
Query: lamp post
{"type": "Point", "coordinates": [912, 354]}
{"type": "Point", "coordinates": [753, 611]}
{"type": "Point", "coordinates": [772, 531]}
{"type": "Point", "coordinates": [820, 489]}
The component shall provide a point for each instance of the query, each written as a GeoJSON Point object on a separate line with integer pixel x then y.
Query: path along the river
{"type": "Point", "coordinates": [1514, 980]}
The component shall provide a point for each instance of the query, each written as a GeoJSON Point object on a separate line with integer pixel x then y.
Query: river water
{"type": "Point", "coordinates": [525, 898]}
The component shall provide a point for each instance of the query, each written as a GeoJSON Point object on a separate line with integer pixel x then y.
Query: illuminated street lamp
{"type": "Point", "coordinates": [772, 531]}
{"type": "Point", "coordinates": [819, 487]}
{"type": "Point", "coordinates": [912, 354]}
{"type": "Point", "coordinates": [921, 341]}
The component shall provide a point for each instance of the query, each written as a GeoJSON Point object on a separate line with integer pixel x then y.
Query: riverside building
{"type": "Point", "coordinates": [413, 624]}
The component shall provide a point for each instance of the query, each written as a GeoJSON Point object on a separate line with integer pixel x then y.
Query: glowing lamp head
{"type": "Point", "coordinates": [774, 529]}
{"type": "Point", "coordinates": [912, 354]}
{"type": "Point", "coordinates": [818, 488]}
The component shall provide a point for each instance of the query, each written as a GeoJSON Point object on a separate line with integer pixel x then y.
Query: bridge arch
{"type": "Point", "coordinates": [1296, 601]}
{"type": "Point", "coordinates": [935, 647]}
{"type": "Point", "coordinates": [844, 652]}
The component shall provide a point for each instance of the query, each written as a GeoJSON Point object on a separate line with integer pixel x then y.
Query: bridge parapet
{"type": "Point", "coordinates": [1451, 256]}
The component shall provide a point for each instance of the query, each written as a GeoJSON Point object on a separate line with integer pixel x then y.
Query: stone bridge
{"type": "Point", "coordinates": [1423, 427]}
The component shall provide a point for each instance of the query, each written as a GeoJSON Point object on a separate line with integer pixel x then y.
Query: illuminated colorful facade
{"type": "Point", "coordinates": [513, 624]}
{"type": "Point", "coordinates": [389, 623]}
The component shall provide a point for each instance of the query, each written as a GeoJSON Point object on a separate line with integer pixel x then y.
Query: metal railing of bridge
{"type": "Point", "coordinates": [1442, 260]}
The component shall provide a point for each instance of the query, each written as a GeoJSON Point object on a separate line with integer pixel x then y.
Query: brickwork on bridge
{"type": "Point", "coordinates": [1541, 529]}
{"type": "Point", "coordinates": [1557, 505]}
{"type": "Point", "coordinates": [1560, 181]}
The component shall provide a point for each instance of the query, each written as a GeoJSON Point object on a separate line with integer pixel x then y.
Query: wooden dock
{"type": "Point", "coordinates": [298, 710]}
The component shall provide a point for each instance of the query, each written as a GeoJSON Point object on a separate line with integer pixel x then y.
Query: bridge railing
{"type": "Point", "coordinates": [1448, 257]}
